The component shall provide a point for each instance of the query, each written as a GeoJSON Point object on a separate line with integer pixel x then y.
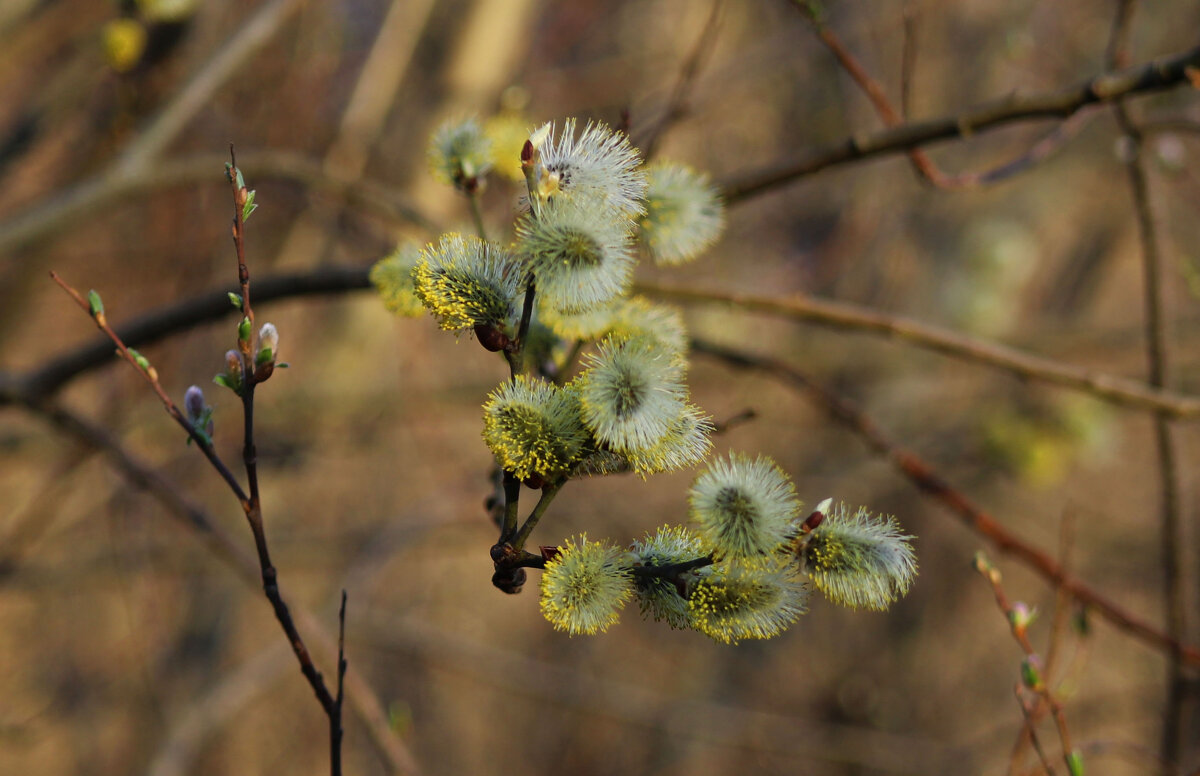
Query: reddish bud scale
{"type": "Point", "coordinates": [490, 337]}
{"type": "Point", "coordinates": [526, 154]}
{"type": "Point", "coordinates": [813, 521]}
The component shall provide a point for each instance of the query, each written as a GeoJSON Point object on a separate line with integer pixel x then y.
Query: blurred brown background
{"type": "Point", "coordinates": [125, 647]}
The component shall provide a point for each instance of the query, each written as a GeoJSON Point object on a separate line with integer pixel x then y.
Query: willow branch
{"type": "Point", "coordinates": [925, 478]}
{"type": "Point", "coordinates": [1157, 75]}
{"type": "Point", "coordinates": [194, 518]}
{"type": "Point", "coordinates": [168, 320]}
{"type": "Point", "coordinates": [67, 208]}
{"type": "Point", "coordinates": [842, 315]}
{"type": "Point", "coordinates": [676, 107]}
{"type": "Point", "coordinates": [1040, 151]}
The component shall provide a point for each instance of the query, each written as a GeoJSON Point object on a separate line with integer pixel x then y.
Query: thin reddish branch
{"type": "Point", "coordinates": [1040, 685]}
{"type": "Point", "coordinates": [923, 476]}
{"type": "Point", "coordinates": [151, 377]}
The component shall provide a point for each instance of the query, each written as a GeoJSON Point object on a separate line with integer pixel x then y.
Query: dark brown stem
{"type": "Point", "coordinates": [1163, 73]}
{"type": "Point", "coordinates": [1172, 541]}
{"type": "Point", "coordinates": [253, 505]}
{"type": "Point", "coordinates": [512, 497]}
{"type": "Point", "coordinates": [672, 570]}
{"type": "Point", "coordinates": [923, 476]}
{"type": "Point", "coordinates": [335, 719]}
{"type": "Point", "coordinates": [1172, 545]}
{"type": "Point", "coordinates": [141, 476]}
{"type": "Point", "coordinates": [922, 163]}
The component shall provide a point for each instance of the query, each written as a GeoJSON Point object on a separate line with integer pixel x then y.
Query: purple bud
{"type": "Point", "coordinates": [193, 402]}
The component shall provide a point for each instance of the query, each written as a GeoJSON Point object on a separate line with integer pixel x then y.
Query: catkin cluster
{"type": "Point", "coordinates": [599, 387]}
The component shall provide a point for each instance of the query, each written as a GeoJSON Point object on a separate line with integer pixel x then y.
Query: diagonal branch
{"type": "Point", "coordinates": [143, 477]}
{"type": "Point", "coordinates": [923, 476]}
{"type": "Point", "coordinates": [842, 315]}
{"type": "Point", "coordinates": [925, 166]}
{"type": "Point", "coordinates": [1157, 75]}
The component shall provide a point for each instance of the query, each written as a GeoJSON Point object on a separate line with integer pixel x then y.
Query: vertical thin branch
{"type": "Point", "coordinates": [253, 506]}
{"type": "Point", "coordinates": [335, 718]}
{"type": "Point", "coordinates": [1172, 536]}
{"type": "Point", "coordinates": [908, 57]}
{"type": "Point", "coordinates": [1034, 676]}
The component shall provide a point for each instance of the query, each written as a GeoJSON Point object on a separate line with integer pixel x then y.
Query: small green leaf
{"type": "Point", "coordinates": [229, 172]}
{"type": "Point", "coordinates": [264, 356]}
{"type": "Point", "coordinates": [282, 365]}
{"type": "Point", "coordinates": [244, 330]}
{"type": "Point", "coordinates": [1075, 763]}
{"type": "Point", "coordinates": [140, 360]}
{"type": "Point", "coordinates": [204, 437]}
{"type": "Point", "coordinates": [235, 300]}
{"type": "Point", "coordinates": [95, 303]}
{"type": "Point", "coordinates": [1031, 676]}
{"type": "Point", "coordinates": [223, 381]}
{"type": "Point", "coordinates": [1080, 622]}
{"type": "Point", "coordinates": [249, 207]}
{"type": "Point", "coordinates": [241, 182]}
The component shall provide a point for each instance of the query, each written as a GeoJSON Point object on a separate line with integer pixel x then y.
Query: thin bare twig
{"type": "Point", "coordinates": [1172, 540]}
{"type": "Point", "coordinates": [151, 376]}
{"type": "Point", "coordinates": [842, 315]}
{"type": "Point", "coordinates": [922, 475]}
{"type": "Point", "coordinates": [69, 206]}
{"type": "Point", "coordinates": [676, 107]}
{"type": "Point", "coordinates": [141, 476]}
{"type": "Point", "coordinates": [1034, 678]}
{"type": "Point", "coordinates": [1163, 73]}
{"type": "Point", "coordinates": [253, 505]}
{"type": "Point", "coordinates": [922, 163]}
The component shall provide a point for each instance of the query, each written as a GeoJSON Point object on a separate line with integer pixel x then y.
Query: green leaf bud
{"type": "Point", "coordinates": [1021, 616]}
{"type": "Point", "coordinates": [231, 378]}
{"type": "Point", "coordinates": [1075, 763]}
{"type": "Point", "coordinates": [235, 300]}
{"type": "Point", "coordinates": [243, 332]}
{"type": "Point", "coordinates": [248, 207]}
{"type": "Point", "coordinates": [1031, 673]}
{"type": "Point", "coordinates": [268, 344]}
{"type": "Point", "coordinates": [95, 304]}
